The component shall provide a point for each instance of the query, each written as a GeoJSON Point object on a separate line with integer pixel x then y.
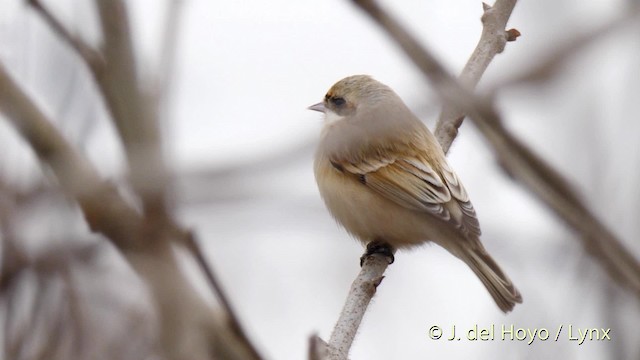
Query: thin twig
{"type": "Point", "coordinates": [76, 317]}
{"type": "Point", "coordinates": [551, 63]}
{"type": "Point", "coordinates": [492, 42]}
{"type": "Point", "coordinates": [318, 348]}
{"type": "Point", "coordinates": [91, 56]}
{"type": "Point", "coordinates": [131, 110]}
{"type": "Point", "coordinates": [188, 325]}
{"type": "Point", "coordinates": [167, 56]}
{"type": "Point", "coordinates": [234, 322]}
{"type": "Point", "coordinates": [517, 160]}
{"type": "Point", "coordinates": [49, 261]}
{"type": "Point", "coordinates": [104, 209]}
{"type": "Point", "coordinates": [50, 312]}
{"type": "Point", "coordinates": [136, 119]}
{"type": "Point", "coordinates": [362, 291]}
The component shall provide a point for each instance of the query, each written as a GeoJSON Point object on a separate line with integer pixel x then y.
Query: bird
{"type": "Point", "coordinates": [384, 177]}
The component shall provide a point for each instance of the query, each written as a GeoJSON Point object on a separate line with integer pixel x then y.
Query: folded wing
{"type": "Point", "coordinates": [410, 181]}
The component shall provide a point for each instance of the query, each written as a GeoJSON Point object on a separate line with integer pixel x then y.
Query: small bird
{"type": "Point", "coordinates": [384, 177]}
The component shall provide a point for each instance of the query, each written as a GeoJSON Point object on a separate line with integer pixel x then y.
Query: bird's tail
{"type": "Point", "coordinates": [494, 279]}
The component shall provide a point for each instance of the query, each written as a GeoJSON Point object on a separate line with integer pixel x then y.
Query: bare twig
{"type": "Point", "coordinates": [130, 109]}
{"type": "Point", "coordinates": [13, 257]}
{"type": "Point", "coordinates": [136, 118]}
{"type": "Point", "coordinates": [189, 326]}
{"type": "Point", "coordinates": [492, 42]}
{"type": "Point", "coordinates": [318, 348]}
{"type": "Point", "coordinates": [91, 57]}
{"type": "Point", "coordinates": [115, 73]}
{"type": "Point", "coordinates": [551, 63]}
{"type": "Point", "coordinates": [235, 326]}
{"type": "Point", "coordinates": [362, 291]}
{"type": "Point", "coordinates": [167, 56]}
{"type": "Point", "coordinates": [76, 317]}
{"type": "Point", "coordinates": [50, 261]}
{"type": "Point", "coordinates": [110, 68]}
{"type": "Point", "coordinates": [518, 161]}
{"type": "Point", "coordinates": [105, 211]}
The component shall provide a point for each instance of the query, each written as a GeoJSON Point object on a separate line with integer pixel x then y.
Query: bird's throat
{"type": "Point", "coordinates": [331, 117]}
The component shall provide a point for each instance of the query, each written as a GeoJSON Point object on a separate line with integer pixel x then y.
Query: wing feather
{"type": "Point", "coordinates": [412, 182]}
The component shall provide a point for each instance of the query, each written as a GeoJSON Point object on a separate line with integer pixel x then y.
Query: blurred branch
{"type": "Point", "coordinates": [492, 42]}
{"type": "Point", "coordinates": [55, 260]}
{"type": "Point", "coordinates": [189, 326]}
{"type": "Point", "coordinates": [135, 115]}
{"type": "Point", "coordinates": [362, 291]}
{"type": "Point", "coordinates": [115, 73]}
{"type": "Point", "coordinates": [91, 57]}
{"type": "Point", "coordinates": [517, 160]}
{"type": "Point", "coordinates": [551, 63]}
{"type": "Point", "coordinates": [229, 182]}
{"type": "Point", "coordinates": [131, 109]}
{"type": "Point", "coordinates": [234, 322]}
{"type": "Point", "coordinates": [167, 55]}
{"type": "Point", "coordinates": [104, 209]}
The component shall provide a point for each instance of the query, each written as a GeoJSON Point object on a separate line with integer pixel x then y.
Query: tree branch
{"type": "Point", "coordinates": [91, 57]}
{"type": "Point", "coordinates": [362, 291]}
{"type": "Point", "coordinates": [235, 326]}
{"type": "Point", "coordinates": [115, 73]}
{"type": "Point", "coordinates": [492, 42]}
{"type": "Point", "coordinates": [135, 116]}
{"type": "Point", "coordinates": [190, 329]}
{"type": "Point", "coordinates": [167, 55]}
{"type": "Point", "coordinates": [551, 63]}
{"type": "Point", "coordinates": [130, 109]}
{"type": "Point", "coordinates": [318, 348]}
{"type": "Point", "coordinates": [104, 209]}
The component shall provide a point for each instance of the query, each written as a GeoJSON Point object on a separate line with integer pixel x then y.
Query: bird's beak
{"type": "Point", "coordinates": [318, 107]}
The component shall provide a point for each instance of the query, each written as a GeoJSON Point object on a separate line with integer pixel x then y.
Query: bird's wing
{"type": "Point", "coordinates": [410, 181]}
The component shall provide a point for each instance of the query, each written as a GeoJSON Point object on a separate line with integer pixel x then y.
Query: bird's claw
{"type": "Point", "coordinates": [378, 247]}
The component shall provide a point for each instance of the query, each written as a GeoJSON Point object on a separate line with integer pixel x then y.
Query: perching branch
{"type": "Point", "coordinates": [517, 160]}
{"type": "Point", "coordinates": [492, 42]}
{"type": "Point", "coordinates": [362, 291]}
{"type": "Point", "coordinates": [360, 294]}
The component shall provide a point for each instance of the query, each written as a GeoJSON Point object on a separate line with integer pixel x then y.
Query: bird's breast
{"type": "Point", "coordinates": [364, 213]}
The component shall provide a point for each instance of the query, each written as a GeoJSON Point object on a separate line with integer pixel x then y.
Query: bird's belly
{"type": "Point", "coordinates": [368, 215]}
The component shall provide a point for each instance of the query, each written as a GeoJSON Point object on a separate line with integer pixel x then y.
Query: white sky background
{"type": "Point", "coordinates": [245, 73]}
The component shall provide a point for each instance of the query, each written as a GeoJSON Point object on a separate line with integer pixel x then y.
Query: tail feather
{"type": "Point", "coordinates": [494, 279]}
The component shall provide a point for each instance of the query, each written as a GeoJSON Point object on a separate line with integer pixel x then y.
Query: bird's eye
{"type": "Point", "coordinates": [338, 101]}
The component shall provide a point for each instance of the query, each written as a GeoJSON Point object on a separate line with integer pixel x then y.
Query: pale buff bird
{"type": "Point", "coordinates": [385, 178]}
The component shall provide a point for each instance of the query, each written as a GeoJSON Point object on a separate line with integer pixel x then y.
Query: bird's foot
{"type": "Point", "coordinates": [378, 247]}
